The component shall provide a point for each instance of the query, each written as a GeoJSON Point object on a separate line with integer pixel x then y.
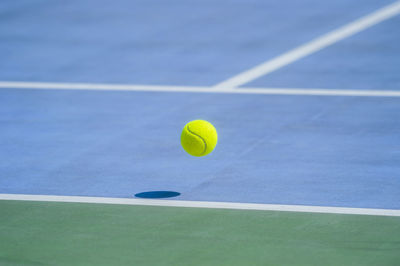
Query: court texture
{"type": "Point", "coordinates": [305, 96]}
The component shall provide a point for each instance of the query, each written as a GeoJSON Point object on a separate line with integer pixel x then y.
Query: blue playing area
{"type": "Point", "coordinates": [175, 43]}
{"type": "Point", "coordinates": [334, 151]}
{"type": "Point", "coordinates": [366, 61]}
{"type": "Point", "coordinates": [279, 148]}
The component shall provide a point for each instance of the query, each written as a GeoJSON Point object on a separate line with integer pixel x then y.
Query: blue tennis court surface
{"type": "Point", "coordinates": [60, 135]}
{"type": "Point", "coordinates": [335, 151]}
{"type": "Point", "coordinates": [150, 42]}
{"type": "Point", "coordinates": [366, 61]}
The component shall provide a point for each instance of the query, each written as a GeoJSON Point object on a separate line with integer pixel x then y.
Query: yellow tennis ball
{"type": "Point", "coordinates": [199, 138]}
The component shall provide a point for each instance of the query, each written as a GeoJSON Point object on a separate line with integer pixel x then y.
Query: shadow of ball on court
{"type": "Point", "coordinates": [157, 194]}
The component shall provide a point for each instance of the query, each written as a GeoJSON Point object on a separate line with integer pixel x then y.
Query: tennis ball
{"type": "Point", "coordinates": [199, 138]}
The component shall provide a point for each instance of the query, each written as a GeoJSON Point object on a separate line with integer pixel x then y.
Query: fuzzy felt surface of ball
{"type": "Point", "coordinates": [199, 138]}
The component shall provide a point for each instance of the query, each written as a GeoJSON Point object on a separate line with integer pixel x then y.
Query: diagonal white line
{"type": "Point", "coordinates": [312, 46]}
{"type": "Point", "coordinates": [203, 204]}
{"type": "Point", "coordinates": [192, 89]}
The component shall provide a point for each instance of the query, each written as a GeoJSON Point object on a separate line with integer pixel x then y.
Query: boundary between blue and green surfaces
{"type": "Point", "coordinates": [203, 204]}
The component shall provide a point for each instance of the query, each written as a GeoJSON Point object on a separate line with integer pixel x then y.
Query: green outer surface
{"type": "Point", "coordinates": [48, 233]}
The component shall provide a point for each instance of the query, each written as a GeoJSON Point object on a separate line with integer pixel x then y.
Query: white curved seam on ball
{"type": "Point", "coordinates": [205, 143]}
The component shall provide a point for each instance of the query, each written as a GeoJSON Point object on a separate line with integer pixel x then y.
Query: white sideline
{"type": "Point", "coordinates": [203, 204]}
{"type": "Point", "coordinates": [192, 89]}
{"type": "Point", "coordinates": [312, 46]}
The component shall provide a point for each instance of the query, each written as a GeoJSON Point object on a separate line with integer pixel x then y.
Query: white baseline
{"type": "Point", "coordinates": [312, 46]}
{"type": "Point", "coordinates": [193, 89]}
{"type": "Point", "coordinates": [203, 204]}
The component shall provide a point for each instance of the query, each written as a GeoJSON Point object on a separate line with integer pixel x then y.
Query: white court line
{"type": "Point", "coordinates": [192, 89]}
{"type": "Point", "coordinates": [312, 46]}
{"type": "Point", "coordinates": [203, 204]}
